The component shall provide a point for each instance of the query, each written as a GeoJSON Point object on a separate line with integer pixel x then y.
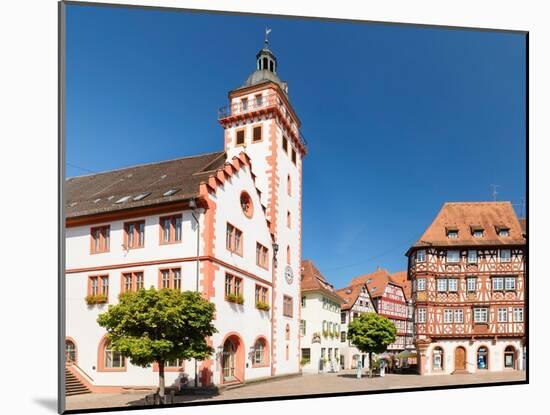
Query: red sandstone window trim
{"type": "Point", "coordinates": [288, 307]}
{"type": "Point", "coordinates": [170, 229]}
{"type": "Point", "coordinates": [262, 256]}
{"type": "Point", "coordinates": [101, 287]}
{"type": "Point", "coordinates": [100, 239]}
{"type": "Point", "coordinates": [134, 234]}
{"type": "Point", "coordinates": [171, 280]}
{"type": "Point", "coordinates": [131, 281]}
{"type": "Point", "coordinates": [234, 240]}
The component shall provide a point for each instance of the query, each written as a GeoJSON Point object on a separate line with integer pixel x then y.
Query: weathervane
{"type": "Point", "coordinates": [267, 32]}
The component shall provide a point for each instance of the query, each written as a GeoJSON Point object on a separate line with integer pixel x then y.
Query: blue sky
{"type": "Point", "coordinates": [399, 119]}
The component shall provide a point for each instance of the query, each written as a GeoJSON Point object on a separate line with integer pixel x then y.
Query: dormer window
{"type": "Point", "coordinates": [477, 231]}
{"type": "Point", "coordinates": [452, 233]}
{"type": "Point", "coordinates": [421, 255]}
{"type": "Point", "coordinates": [503, 232]}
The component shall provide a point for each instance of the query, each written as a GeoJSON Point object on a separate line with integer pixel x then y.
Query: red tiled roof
{"type": "Point", "coordinates": [376, 281]}
{"type": "Point", "coordinates": [400, 278]}
{"type": "Point", "coordinates": [313, 280]}
{"type": "Point", "coordinates": [349, 295]}
{"type": "Point", "coordinates": [465, 216]}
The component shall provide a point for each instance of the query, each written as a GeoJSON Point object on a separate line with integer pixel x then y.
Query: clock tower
{"type": "Point", "coordinates": [261, 122]}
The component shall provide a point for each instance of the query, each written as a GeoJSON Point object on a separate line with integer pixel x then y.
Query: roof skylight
{"type": "Point", "coordinates": [123, 199]}
{"type": "Point", "coordinates": [170, 192]}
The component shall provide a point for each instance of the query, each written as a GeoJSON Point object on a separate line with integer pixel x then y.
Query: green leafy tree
{"type": "Point", "coordinates": [160, 325]}
{"type": "Point", "coordinates": [371, 333]}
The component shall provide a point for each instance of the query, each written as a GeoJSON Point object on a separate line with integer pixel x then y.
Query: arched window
{"type": "Point", "coordinates": [70, 351]}
{"type": "Point", "coordinates": [288, 255]}
{"type": "Point", "coordinates": [482, 358]}
{"type": "Point", "coordinates": [438, 359]}
{"type": "Point", "coordinates": [260, 352]}
{"type": "Point", "coordinates": [110, 359]}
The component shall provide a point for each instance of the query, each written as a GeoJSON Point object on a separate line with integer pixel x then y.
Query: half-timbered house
{"type": "Point", "coordinates": [389, 301]}
{"type": "Point", "coordinates": [357, 301]}
{"type": "Point", "coordinates": [468, 274]}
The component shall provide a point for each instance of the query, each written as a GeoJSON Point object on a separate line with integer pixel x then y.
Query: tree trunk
{"type": "Point", "coordinates": [161, 382]}
{"type": "Point", "coordinates": [370, 364]}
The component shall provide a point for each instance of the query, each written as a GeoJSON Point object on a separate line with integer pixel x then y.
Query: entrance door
{"type": "Point", "coordinates": [509, 357]}
{"type": "Point", "coordinates": [229, 350]}
{"type": "Point", "coordinates": [460, 358]}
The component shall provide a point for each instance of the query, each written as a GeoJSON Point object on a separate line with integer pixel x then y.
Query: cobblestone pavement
{"type": "Point", "coordinates": [303, 385]}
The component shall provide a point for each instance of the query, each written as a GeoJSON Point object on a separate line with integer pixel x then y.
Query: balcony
{"type": "Point", "coordinates": [268, 102]}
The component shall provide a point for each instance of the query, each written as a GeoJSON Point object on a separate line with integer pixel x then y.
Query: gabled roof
{"type": "Point", "coordinates": [466, 216]}
{"type": "Point", "coordinates": [400, 278]}
{"type": "Point", "coordinates": [376, 281]}
{"type": "Point", "coordinates": [99, 193]}
{"type": "Point", "coordinates": [313, 280]}
{"type": "Point", "coordinates": [523, 224]}
{"type": "Point", "coordinates": [350, 295]}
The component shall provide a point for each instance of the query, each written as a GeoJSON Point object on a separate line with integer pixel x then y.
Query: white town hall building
{"type": "Point", "coordinates": [227, 224]}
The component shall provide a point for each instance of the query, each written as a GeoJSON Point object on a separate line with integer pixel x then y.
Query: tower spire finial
{"type": "Point", "coordinates": [267, 32]}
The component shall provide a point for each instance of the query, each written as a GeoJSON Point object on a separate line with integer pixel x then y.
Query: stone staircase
{"type": "Point", "coordinates": [73, 386]}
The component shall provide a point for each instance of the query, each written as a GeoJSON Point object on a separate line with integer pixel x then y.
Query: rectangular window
{"type": "Point", "coordinates": [498, 283]}
{"type": "Point", "coordinates": [244, 103]}
{"type": "Point", "coordinates": [288, 219]}
{"type": "Point", "coordinates": [170, 278]}
{"type": "Point", "coordinates": [285, 144]}
{"type": "Point", "coordinates": [448, 316]}
{"type": "Point", "coordinates": [442, 285]}
{"type": "Point", "coordinates": [294, 156]}
{"type": "Point", "coordinates": [259, 100]}
{"type": "Point", "coordinates": [233, 285]}
{"type": "Point", "coordinates": [100, 239]}
{"type": "Point", "coordinates": [453, 256]}
{"type": "Point", "coordinates": [459, 315]}
{"type": "Point", "coordinates": [505, 255]}
{"type": "Point", "coordinates": [239, 137]}
{"type": "Point", "coordinates": [287, 306]}
{"type": "Point", "coordinates": [342, 336]}
{"type": "Point", "coordinates": [98, 285]}
{"type": "Point", "coordinates": [421, 284]}
{"type": "Point", "coordinates": [502, 315]}
{"type": "Point", "coordinates": [452, 234]}
{"type": "Point", "coordinates": [503, 232]}
{"type": "Point", "coordinates": [303, 301]}
{"type": "Point", "coordinates": [173, 363]}
{"type": "Point", "coordinates": [257, 133]}
{"type": "Point", "coordinates": [134, 234]}
{"type": "Point", "coordinates": [472, 256]}
{"type": "Point", "coordinates": [234, 239]}
{"type": "Point", "coordinates": [261, 295]}
{"type": "Point", "coordinates": [518, 314]}
{"type": "Point", "coordinates": [478, 233]}
{"type": "Point", "coordinates": [421, 315]}
{"type": "Point", "coordinates": [510, 283]}
{"type": "Point", "coordinates": [453, 284]}
{"type": "Point", "coordinates": [471, 284]}
{"type": "Point", "coordinates": [421, 255]}
{"type": "Point", "coordinates": [303, 327]}
{"type": "Point", "coordinates": [132, 281]}
{"type": "Point", "coordinates": [170, 229]}
{"type": "Point", "coordinates": [343, 317]}
{"type": "Point", "coordinates": [480, 315]}
{"type": "Point", "coordinates": [262, 256]}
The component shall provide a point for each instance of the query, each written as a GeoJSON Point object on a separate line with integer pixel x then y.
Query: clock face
{"type": "Point", "coordinates": [288, 274]}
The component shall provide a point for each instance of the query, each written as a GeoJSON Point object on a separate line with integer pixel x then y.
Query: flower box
{"type": "Point", "coordinates": [95, 299]}
{"type": "Point", "coordinates": [262, 306]}
{"type": "Point", "coordinates": [234, 298]}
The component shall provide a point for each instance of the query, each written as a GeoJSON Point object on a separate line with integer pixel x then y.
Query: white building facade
{"type": "Point", "coordinates": [226, 224]}
{"type": "Point", "coordinates": [320, 322]}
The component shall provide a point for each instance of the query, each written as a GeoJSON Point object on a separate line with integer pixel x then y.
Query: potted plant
{"type": "Point", "coordinates": [304, 361]}
{"type": "Point", "coordinates": [325, 333]}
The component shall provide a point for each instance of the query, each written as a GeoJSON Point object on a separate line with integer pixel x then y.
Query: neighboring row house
{"type": "Point", "coordinates": [227, 224]}
{"type": "Point", "coordinates": [357, 301]}
{"type": "Point", "coordinates": [320, 322]}
{"type": "Point", "coordinates": [468, 271]}
{"type": "Point", "coordinates": [390, 301]}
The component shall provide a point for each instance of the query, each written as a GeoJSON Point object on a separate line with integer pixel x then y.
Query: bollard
{"type": "Point", "coordinates": [359, 367]}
